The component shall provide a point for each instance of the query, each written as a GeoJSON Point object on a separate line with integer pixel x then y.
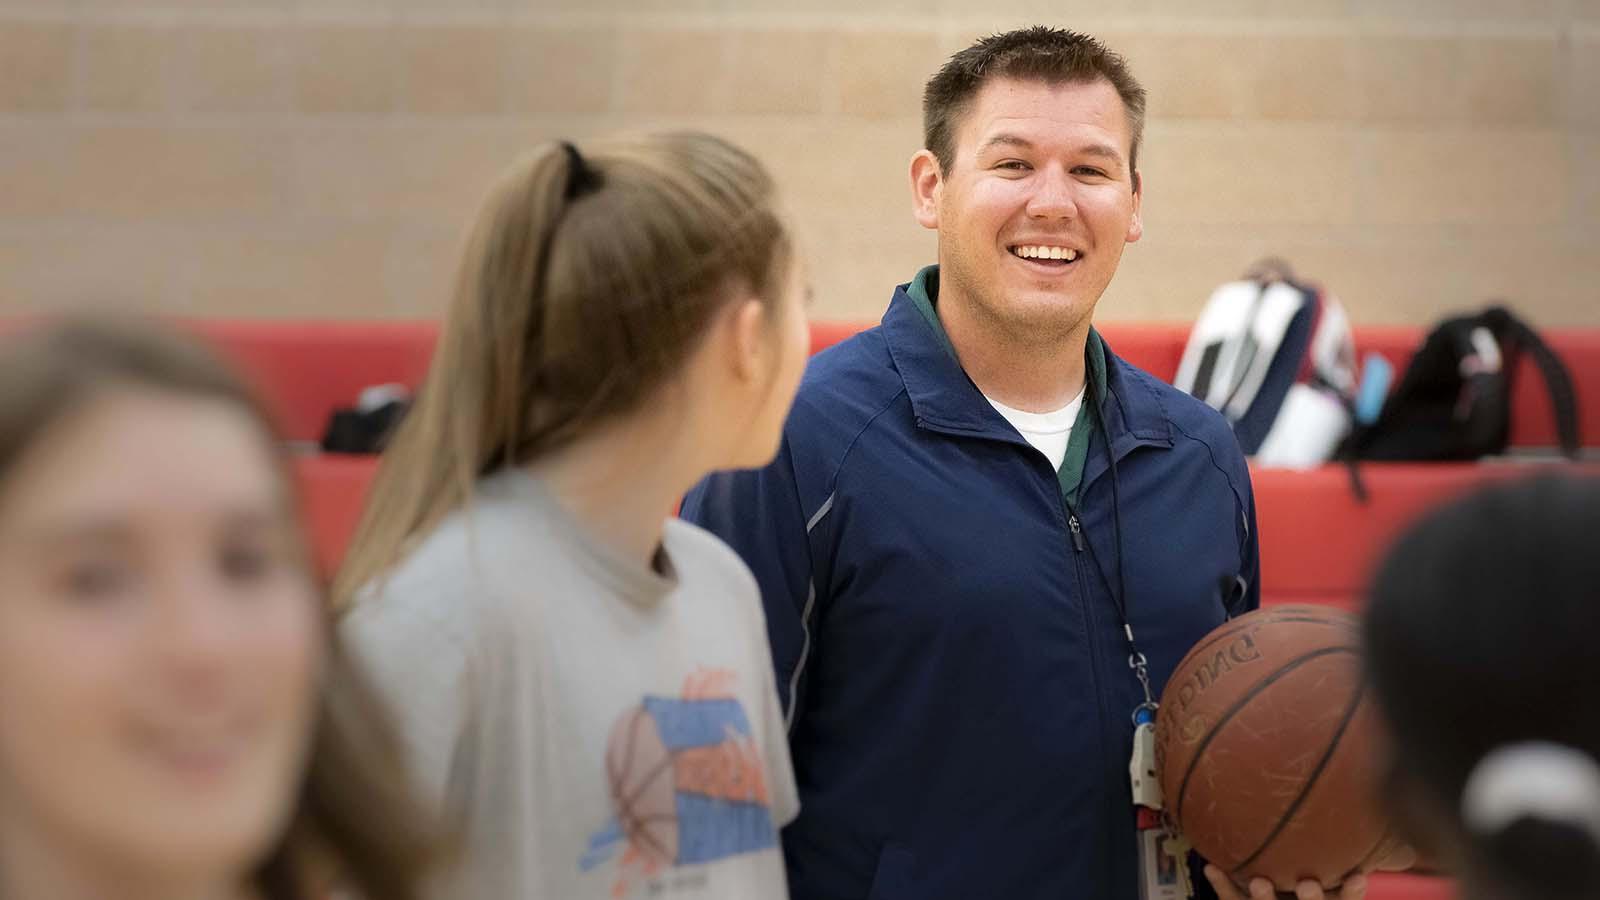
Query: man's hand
{"type": "Point", "coordinates": [1354, 888]}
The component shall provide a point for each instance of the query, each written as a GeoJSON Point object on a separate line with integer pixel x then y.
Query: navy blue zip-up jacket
{"type": "Point", "coordinates": [953, 667]}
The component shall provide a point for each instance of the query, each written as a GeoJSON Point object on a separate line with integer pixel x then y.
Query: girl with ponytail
{"type": "Point", "coordinates": [583, 680]}
{"type": "Point", "coordinates": [1480, 644]}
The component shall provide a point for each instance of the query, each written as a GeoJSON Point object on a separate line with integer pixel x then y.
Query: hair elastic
{"type": "Point", "coordinates": [1538, 780]}
{"type": "Point", "coordinates": [581, 178]}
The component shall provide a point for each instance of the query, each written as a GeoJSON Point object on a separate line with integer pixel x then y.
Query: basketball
{"type": "Point", "coordinates": [1265, 749]}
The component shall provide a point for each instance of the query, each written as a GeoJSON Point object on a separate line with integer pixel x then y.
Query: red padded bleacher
{"type": "Point", "coordinates": [826, 334]}
{"type": "Point", "coordinates": [1319, 543]}
{"type": "Point", "coordinates": [309, 368]}
{"type": "Point", "coordinates": [333, 490]}
{"type": "Point", "coordinates": [306, 370]}
{"type": "Point", "coordinates": [1396, 886]}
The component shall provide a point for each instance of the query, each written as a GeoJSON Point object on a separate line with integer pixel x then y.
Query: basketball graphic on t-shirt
{"type": "Point", "coordinates": [639, 769]}
{"type": "Point", "coordinates": [687, 783]}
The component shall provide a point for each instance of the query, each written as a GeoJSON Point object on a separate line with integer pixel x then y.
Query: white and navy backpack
{"type": "Point", "coordinates": [1276, 357]}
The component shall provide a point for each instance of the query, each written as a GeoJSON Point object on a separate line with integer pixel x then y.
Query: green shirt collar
{"type": "Point", "coordinates": [924, 293]}
{"type": "Point", "coordinates": [923, 290]}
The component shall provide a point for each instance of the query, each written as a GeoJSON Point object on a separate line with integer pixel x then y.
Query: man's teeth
{"type": "Point", "coordinates": [1037, 252]}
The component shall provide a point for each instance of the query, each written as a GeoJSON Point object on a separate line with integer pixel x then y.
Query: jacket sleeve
{"type": "Point", "coordinates": [1249, 598]}
{"type": "Point", "coordinates": [758, 513]}
{"type": "Point", "coordinates": [1250, 562]}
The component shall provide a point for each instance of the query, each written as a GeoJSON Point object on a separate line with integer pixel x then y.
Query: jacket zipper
{"type": "Point", "coordinates": [1078, 546]}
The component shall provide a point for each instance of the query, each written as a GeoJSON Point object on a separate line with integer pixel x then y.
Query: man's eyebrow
{"type": "Point", "coordinates": [1006, 140]}
{"type": "Point", "coordinates": [1105, 151]}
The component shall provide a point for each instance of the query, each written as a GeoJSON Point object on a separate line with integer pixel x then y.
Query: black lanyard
{"type": "Point", "coordinates": [1145, 711]}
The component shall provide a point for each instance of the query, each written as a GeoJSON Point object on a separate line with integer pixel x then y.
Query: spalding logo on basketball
{"type": "Point", "coordinates": [1265, 749]}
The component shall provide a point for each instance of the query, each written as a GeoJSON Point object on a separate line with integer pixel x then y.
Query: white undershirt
{"type": "Point", "coordinates": [1048, 432]}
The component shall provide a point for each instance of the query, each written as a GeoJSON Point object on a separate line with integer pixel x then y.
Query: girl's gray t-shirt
{"type": "Point", "coordinates": [593, 728]}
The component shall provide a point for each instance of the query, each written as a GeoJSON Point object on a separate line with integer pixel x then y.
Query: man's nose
{"type": "Point", "coordinates": [1053, 195]}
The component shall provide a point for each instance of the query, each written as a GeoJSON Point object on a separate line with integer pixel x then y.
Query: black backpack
{"type": "Point", "coordinates": [1454, 401]}
{"type": "Point", "coordinates": [359, 430]}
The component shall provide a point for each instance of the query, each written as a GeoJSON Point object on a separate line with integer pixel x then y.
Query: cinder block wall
{"type": "Point", "coordinates": [322, 157]}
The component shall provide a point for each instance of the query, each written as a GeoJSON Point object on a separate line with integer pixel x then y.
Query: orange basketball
{"type": "Point", "coordinates": [1265, 749]}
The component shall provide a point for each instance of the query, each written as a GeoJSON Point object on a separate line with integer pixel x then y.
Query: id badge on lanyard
{"type": "Point", "coordinates": [1163, 854]}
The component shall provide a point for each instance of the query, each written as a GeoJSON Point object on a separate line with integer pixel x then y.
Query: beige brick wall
{"type": "Point", "coordinates": [322, 157]}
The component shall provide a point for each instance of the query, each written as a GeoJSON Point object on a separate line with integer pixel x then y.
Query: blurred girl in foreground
{"type": "Point", "coordinates": [176, 720]}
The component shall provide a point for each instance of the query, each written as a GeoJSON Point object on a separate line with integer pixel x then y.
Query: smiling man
{"type": "Point", "coordinates": [980, 516]}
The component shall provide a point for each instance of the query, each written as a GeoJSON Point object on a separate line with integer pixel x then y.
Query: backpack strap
{"type": "Point", "coordinates": [1557, 380]}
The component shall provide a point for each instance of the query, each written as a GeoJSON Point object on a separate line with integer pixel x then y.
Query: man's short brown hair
{"type": "Point", "coordinates": [1051, 55]}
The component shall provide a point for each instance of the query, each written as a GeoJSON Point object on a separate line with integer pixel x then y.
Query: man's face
{"type": "Point", "coordinates": [1039, 170]}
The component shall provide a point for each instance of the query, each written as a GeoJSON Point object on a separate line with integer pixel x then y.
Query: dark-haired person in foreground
{"type": "Point", "coordinates": [980, 517]}
{"type": "Point", "coordinates": [1480, 643]}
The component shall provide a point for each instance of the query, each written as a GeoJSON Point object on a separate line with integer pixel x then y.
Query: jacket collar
{"type": "Point", "coordinates": [944, 399]}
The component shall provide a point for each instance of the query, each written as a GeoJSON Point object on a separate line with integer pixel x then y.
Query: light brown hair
{"type": "Point", "coordinates": [587, 281]}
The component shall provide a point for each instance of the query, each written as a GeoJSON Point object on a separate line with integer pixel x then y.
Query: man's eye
{"type": "Point", "coordinates": [1090, 170]}
{"type": "Point", "coordinates": [1014, 165]}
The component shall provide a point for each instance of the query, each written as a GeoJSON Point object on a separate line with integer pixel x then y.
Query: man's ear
{"type": "Point", "coordinates": [927, 181]}
{"type": "Point", "coordinates": [1136, 224]}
